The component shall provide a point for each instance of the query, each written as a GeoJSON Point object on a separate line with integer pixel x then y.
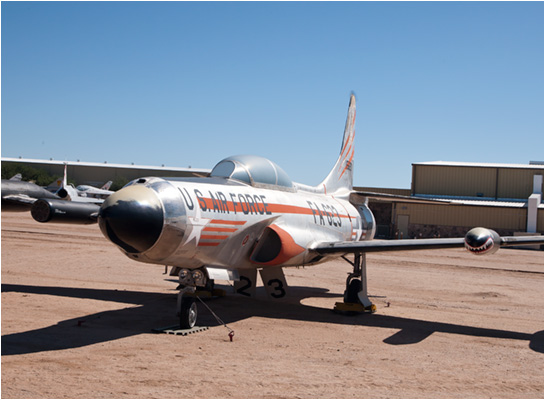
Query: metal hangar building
{"type": "Point", "coordinates": [505, 197]}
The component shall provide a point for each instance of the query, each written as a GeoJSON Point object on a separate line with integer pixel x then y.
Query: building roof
{"type": "Point", "coordinates": [105, 165]}
{"type": "Point", "coordinates": [513, 203]}
{"type": "Point", "coordinates": [482, 165]}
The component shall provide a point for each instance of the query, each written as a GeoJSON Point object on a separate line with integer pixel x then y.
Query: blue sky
{"type": "Point", "coordinates": [187, 84]}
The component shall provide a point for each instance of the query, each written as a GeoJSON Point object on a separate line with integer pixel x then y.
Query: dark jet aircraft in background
{"type": "Point", "coordinates": [18, 195]}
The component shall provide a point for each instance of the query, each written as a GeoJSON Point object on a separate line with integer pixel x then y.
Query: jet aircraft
{"type": "Point", "coordinates": [92, 189]}
{"type": "Point", "coordinates": [19, 195]}
{"type": "Point", "coordinates": [81, 193]}
{"type": "Point", "coordinates": [248, 215]}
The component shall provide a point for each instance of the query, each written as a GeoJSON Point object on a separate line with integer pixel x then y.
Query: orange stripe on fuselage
{"type": "Point", "coordinates": [271, 208]}
{"type": "Point", "coordinates": [227, 222]}
{"type": "Point", "coordinates": [217, 229]}
{"type": "Point", "coordinates": [288, 209]}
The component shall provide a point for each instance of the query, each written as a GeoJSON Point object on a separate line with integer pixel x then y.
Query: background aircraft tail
{"type": "Point", "coordinates": [58, 183]}
{"type": "Point", "coordinates": [64, 179]}
{"type": "Point", "coordinates": [107, 185]}
{"type": "Point", "coordinates": [339, 180]}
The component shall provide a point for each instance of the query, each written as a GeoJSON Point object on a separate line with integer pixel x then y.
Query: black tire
{"type": "Point", "coordinates": [351, 293]}
{"type": "Point", "coordinates": [188, 313]}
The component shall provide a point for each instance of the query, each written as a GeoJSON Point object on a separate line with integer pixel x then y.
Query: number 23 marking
{"type": "Point", "coordinates": [278, 288]}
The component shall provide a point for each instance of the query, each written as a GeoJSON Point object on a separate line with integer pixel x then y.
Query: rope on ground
{"type": "Point", "coordinates": [231, 332]}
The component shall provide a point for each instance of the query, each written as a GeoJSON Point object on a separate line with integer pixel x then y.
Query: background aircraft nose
{"type": "Point", "coordinates": [132, 218]}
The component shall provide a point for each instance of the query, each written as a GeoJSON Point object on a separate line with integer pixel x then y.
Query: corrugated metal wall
{"type": "Point", "coordinates": [454, 181]}
{"type": "Point", "coordinates": [490, 182]}
{"type": "Point", "coordinates": [466, 216]}
{"type": "Point", "coordinates": [516, 183]}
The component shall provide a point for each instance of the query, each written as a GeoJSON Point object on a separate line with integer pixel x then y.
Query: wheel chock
{"type": "Point", "coordinates": [175, 330]}
{"type": "Point", "coordinates": [354, 308]}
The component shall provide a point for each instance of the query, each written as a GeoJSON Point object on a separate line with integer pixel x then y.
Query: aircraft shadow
{"type": "Point", "coordinates": [142, 311]}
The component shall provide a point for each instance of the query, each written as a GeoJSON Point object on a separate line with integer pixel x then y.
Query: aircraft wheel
{"type": "Point", "coordinates": [188, 313]}
{"type": "Point", "coordinates": [351, 293]}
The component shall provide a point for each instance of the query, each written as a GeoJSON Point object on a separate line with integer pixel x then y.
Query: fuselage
{"type": "Point", "coordinates": [90, 191]}
{"type": "Point", "coordinates": [226, 223]}
{"type": "Point", "coordinates": [247, 214]}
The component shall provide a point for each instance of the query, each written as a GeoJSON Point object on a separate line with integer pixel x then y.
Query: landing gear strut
{"type": "Point", "coordinates": [355, 295]}
{"type": "Point", "coordinates": [187, 307]}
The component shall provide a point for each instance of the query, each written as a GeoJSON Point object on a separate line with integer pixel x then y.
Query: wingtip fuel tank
{"type": "Point", "coordinates": [480, 241]}
{"type": "Point", "coordinates": [62, 211]}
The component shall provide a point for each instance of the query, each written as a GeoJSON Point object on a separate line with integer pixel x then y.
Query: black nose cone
{"type": "Point", "coordinates": [132, 218]}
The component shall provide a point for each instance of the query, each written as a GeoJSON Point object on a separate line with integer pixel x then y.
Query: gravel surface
{"type": "Point", "coordinates": [77, 317]}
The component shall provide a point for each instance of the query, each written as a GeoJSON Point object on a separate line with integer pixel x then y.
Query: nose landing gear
{"type": "Point", "coordinates": [194, 284]}
{"type": "Point", "coordinates": [186, 305]}
{"type": "Point", "coordinates": [187, 308]}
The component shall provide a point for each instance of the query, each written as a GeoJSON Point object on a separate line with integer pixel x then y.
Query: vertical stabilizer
{"type": "Point", "coordinates": [339, 180]}
{"type": "Point", "coordinates": [64, 178]}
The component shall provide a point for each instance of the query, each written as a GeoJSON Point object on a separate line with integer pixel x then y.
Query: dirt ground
{"type": "Point", "coordinates": [77, 318]}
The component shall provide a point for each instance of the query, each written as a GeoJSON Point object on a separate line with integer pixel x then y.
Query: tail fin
{"type": "Point", "coordinates": [339, 180]}
{"type": "Point", "coordinates": [107, 185]}
{"type": "Point", "coordinates": [64, 180]}
{"type": "Point", "coordinates": [59, 184]}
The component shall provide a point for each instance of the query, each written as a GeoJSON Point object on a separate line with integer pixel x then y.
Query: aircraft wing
{"type": "Point", "coordinates": [388, 245]}
{"type": "Point", "coordinates": [477, 241]}
{"type": "Point", "coordinates": [91, 200]}
{"type": "Point", "coordinates": [22, 199]}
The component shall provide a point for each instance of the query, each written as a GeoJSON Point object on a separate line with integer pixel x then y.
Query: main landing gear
{"type": "Point", "coordinates": [355, 294]}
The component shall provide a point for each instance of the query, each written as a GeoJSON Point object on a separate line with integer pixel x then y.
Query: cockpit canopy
{"type": "Point", "coordinates": [254, 170]}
